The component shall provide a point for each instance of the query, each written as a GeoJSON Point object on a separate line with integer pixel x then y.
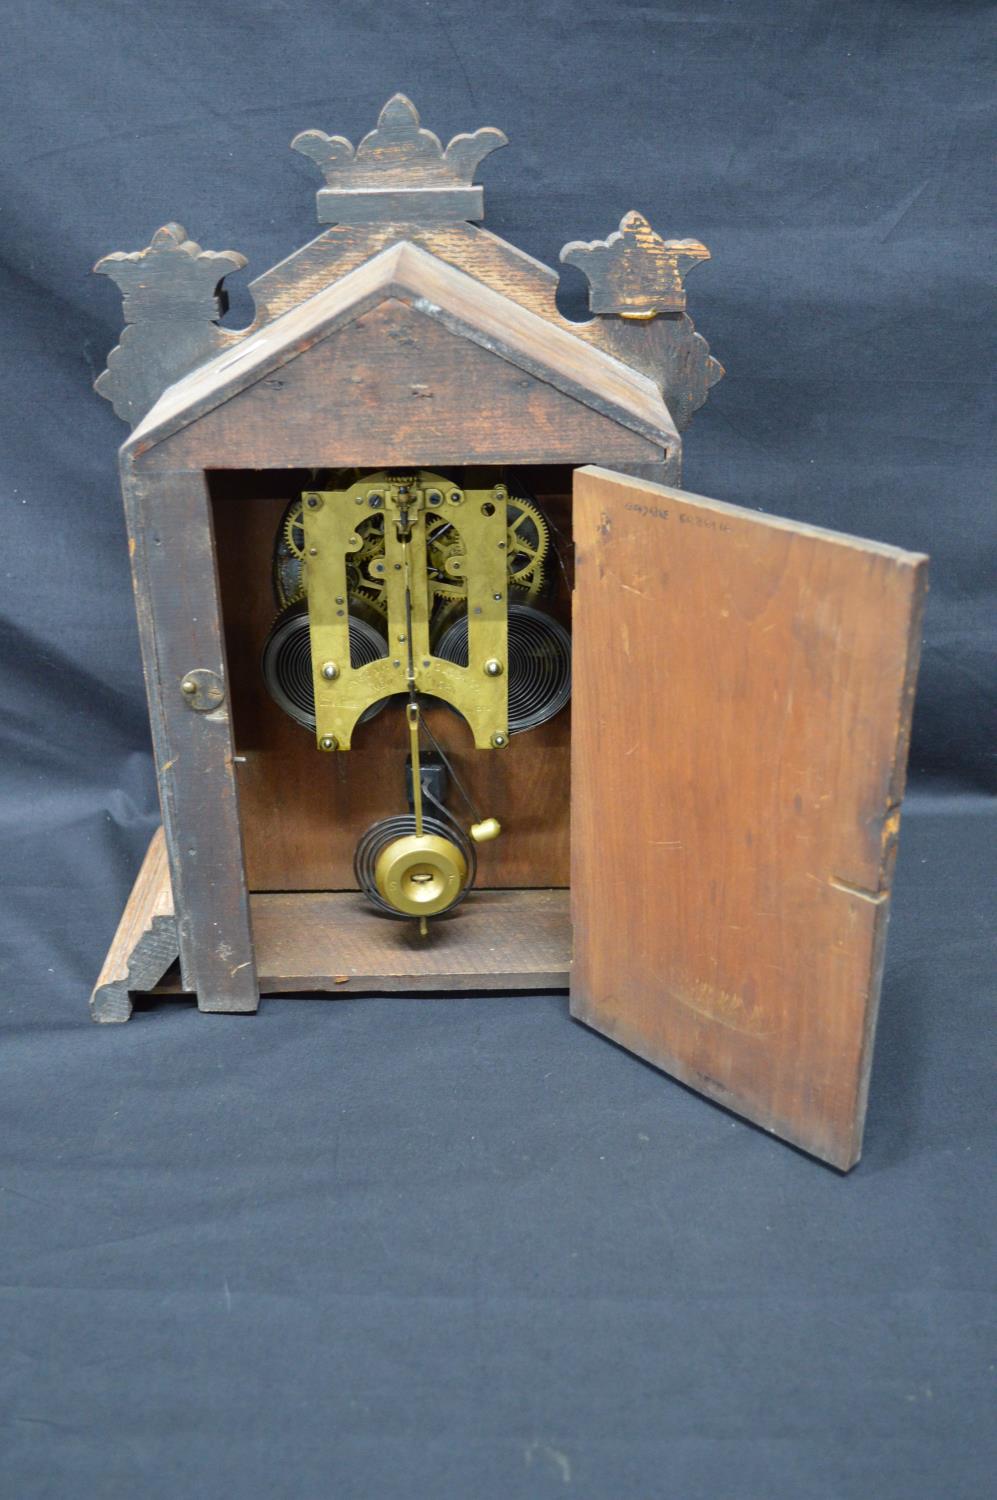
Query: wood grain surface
{"type": "Point", "coordinates": [635, 271]}
{"type": "Point", "coordinates": [180, 630]}
{"type": "Point", "coordinates": [145, 943]}
{"type": "Point", "coordinates": [328, 941]}
{"type": "Point", "coordinates": [173, 299]}
{"type": "Point", "coordinates": [742, 696]}
{"type": "Point", "coordinates": [406, 356]}
{"type": "Point", "coordinates": [400, 190]}
{"type": "Point", "coordinates": [331, 943]}
{"type": "Point", "coordinates": [668, 349]}
{"type": "Point", "coordinates": [399, 172]}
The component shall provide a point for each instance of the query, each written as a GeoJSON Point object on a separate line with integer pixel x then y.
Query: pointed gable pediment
{"type": "Point", "coordinates": [408, 353]}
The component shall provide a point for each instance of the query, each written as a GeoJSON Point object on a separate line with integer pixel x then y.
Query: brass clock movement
{"type": "Point", "coordinates": [453, 688]}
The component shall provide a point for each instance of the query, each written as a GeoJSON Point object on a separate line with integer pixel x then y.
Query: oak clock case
{"type": "Point", "coordinates": [452, 687]}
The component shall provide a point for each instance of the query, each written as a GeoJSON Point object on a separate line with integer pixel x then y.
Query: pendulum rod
{"type": "Point", "coordinates": [412, 706]}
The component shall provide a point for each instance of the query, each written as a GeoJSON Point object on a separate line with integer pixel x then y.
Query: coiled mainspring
{"type": "Point", "coordinates": [287, 662]}
{"type": "Point", "coordinates": [539, 663]}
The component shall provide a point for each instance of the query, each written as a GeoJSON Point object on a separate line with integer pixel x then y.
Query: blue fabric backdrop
{"type": "Point", "coordinates": [465, 1248]}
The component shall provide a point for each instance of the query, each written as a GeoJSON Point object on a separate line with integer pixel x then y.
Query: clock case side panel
{"type": "Point", "coordinates": [171, 545]}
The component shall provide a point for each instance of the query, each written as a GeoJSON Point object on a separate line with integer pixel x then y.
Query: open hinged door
{"type": "Point", "coordinates": [741, 707]}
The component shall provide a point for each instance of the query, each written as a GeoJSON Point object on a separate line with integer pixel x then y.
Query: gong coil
{"type": "Point", "coordinates": [372, 860]}
{"type": "Point", "coordinates": [287, 661]}
{"type": "Point", "coordinates": [539, 663]}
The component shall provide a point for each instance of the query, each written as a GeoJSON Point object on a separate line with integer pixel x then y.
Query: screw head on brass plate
{"type": "Point", "coordinates": [330, 671]}
{"type": "Point", "coordinates": [500, 740]}
{"type": "Point", "coordinates": [328, 742]}
{"type": "Point", "coordinates": [493, 667]}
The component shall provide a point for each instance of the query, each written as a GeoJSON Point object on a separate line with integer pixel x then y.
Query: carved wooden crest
{"type": "Point", "coordinates": [400, 184]}
{"type": "Point", "coordinates": [398, 171]}
{"type": "Point", "coordinates": [635, 273]}
{"type": "Point", "coordinates": [172, 287]}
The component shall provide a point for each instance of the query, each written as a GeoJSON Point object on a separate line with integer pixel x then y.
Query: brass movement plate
{"type": "Point", "coordinates": [342, 692]}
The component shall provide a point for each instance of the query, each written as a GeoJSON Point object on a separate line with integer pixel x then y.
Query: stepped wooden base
{"type": "Point", "coordinates": [145, 944]}
{"type": "Point", "coordinates": [332, 942]}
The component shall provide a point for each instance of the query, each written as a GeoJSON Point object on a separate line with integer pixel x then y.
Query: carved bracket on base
{"type": "Point", "coordinates": [145, 944]}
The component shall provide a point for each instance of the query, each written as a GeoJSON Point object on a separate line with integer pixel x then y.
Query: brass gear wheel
{"type": "Point", "coordinates": [371, 530]}
{"type": "Point", "coordinates": [442, 543]}
{"type": "Point", "coordinates": [361, 586]}
{"type": "Point", "coordinates": [289, 591]}
{"type": "Point", "coordinates": [528, 538]}
{"type": "Point", "coordinates": [361, 582]}
{"type": "Point", "coordinates": [528, 541]}
{"type": "Point", "coordinates": [288, 568]}
{"type": "Point", "coordinates": [529, 588]}
{"type": "Point", "coordinates": [290, 563]}
{"type": "Point", "coordinates": [294, 529]}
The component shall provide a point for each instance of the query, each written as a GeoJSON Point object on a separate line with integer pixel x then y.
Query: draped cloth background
{"type": "Point", "coordinates": [466, 1248]}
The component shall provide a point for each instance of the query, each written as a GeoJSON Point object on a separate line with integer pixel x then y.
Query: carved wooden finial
{"type": "Point", "coordinates": [399, 172]}
{"type": "Point", "coordinates": [172, 299]}
{"type": "Point", "coordinates": [635, 273]}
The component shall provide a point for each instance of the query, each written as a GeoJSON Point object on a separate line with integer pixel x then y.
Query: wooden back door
{"type": "Point", "coordinates": [741, 709]}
